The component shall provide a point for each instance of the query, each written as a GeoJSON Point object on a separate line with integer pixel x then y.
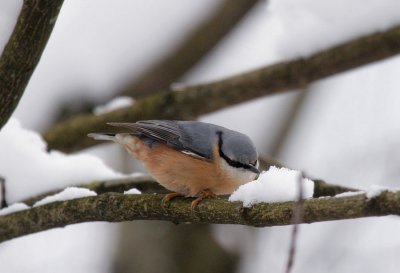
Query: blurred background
{"type": "Point", "coordinates": [344, 129]}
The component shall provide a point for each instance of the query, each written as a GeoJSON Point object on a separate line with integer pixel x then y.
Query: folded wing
{"type": "Point", "coordinates": [168, 132]}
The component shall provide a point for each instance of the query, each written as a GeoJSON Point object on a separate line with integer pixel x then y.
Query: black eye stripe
{"type": "Point", "coordinates": [231, 162]}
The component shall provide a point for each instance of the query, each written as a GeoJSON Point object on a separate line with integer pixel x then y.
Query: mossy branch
{"type": "Point", "coordinates": [116, 207]}
{"type": "Point", "coordinates": [190, 102]}
{"type": "Point", "coordinates": [23, 51]}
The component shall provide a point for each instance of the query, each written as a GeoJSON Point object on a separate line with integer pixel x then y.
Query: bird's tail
{"type": "Point", "coordinates": [102, 136]}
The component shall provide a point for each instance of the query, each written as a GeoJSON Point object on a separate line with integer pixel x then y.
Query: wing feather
{"type": "Point", "coordinates": [164, 131]}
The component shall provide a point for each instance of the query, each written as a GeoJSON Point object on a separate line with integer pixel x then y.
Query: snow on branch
{"type": "Point", "coordinates": [146, 184]}
{"type": "Point", "coordinates": [23, 51]}
{"type": "Point", "coordinates": [117, 207]}
{"type": "Point", "coordinates": [190, 102]}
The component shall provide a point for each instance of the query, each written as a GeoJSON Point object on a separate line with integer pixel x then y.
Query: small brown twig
{"type": "Point", "coordinates": [298, 211]}
{"type": "Point", "coordinates": [197, 44]}
{"type": "Point", "coordinates": [3, 202]}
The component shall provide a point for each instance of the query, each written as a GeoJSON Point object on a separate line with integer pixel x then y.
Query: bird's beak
{"type": "Point", "coordinates": [254, 169]}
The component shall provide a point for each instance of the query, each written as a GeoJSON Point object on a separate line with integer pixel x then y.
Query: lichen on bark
{"type": "Point", "coordinates": [116, 207]}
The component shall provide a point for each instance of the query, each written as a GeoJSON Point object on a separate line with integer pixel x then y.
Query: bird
{"type": "Point", "coordinates": [189, 158]}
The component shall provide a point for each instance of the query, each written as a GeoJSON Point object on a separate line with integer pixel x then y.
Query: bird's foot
{"type": "Point", "coordinates": [202, 195]}
{"type": "Point", "coordinates": [168, 197]}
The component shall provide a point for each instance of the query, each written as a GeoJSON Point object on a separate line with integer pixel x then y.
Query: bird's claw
{"type": "Point", "coordinates": [203, 195]}
{"type": "Point", "coordinates": [168, 197]}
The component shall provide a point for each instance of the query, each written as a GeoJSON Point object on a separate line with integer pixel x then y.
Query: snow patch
{"type": "Point", "coordinates": [67, 194]}
{"type": "Point", "coordinates": [349, 193]}
{"type": "Point", "coordinates": [30, 170]}
{"type": "Point", "coordinates": [375, 190]}
{"type": "Point", "coordinates": [274, 185]}
{"type": "Point", "coordinates": [132, 191]}
{"type": "Point", "coordinates": [118, 102]}
{"type": "Point", "coordinates": [13, 208]}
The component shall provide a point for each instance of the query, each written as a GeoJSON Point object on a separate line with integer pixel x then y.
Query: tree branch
{"type": "Point", "coordinates": [23, 51]}
{"type": "Point", "coordinates": [190, 102]}
{"type": "Point", "coordinates": [192, 49]}
{"type": "Point", "coordinates": [115, 207]}
{"type": "Point", "coordinates": [147, 184]}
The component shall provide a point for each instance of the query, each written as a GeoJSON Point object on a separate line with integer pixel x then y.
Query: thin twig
{"type": "Point", "coordinates": [288, 124]}
{"type": "Point", "coordinates": [298, 211]}
{"type": "Point", "coordinates": [3, 200]}
{"type": "Point", "coordinates": [193, 48]}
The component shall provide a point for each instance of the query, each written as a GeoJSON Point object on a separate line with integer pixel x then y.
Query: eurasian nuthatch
{"type": "Point", "coordinates": [190, 158]}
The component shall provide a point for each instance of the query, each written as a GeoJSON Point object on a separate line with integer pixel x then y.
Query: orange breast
{"type": "Point", "coordinates": [183, 173]}
{"type": "Point", "coordinates": [180, 172]}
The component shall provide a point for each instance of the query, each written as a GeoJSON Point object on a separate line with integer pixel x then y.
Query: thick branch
{"type": "Point", "coordinates": [192, 49]}
{"type": "Point", "coordinates": [115, 207]}
{"type": "Point", "coordinates": [193, 101]}
{"type": "Point", "coordinates": [23, 51]}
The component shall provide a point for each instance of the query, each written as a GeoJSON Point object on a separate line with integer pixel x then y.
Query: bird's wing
{"type": "Point", "coordinates": [164, 131]}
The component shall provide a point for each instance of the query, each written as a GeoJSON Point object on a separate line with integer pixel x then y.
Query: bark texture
{"type": "Point", "coordinates": [116, 207]}
{"type": "Point", "coordinates": [23, 51]}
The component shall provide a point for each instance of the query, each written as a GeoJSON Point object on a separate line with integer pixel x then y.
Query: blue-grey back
{"type": "Point", "coordinates": [195, 137]}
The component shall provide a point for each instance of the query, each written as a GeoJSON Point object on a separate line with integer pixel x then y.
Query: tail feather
{"type": "Point", "coordinates": [102, 136]}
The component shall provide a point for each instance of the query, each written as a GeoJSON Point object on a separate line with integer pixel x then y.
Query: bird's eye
{"type": "Point", "coordinates": [254, 163]}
